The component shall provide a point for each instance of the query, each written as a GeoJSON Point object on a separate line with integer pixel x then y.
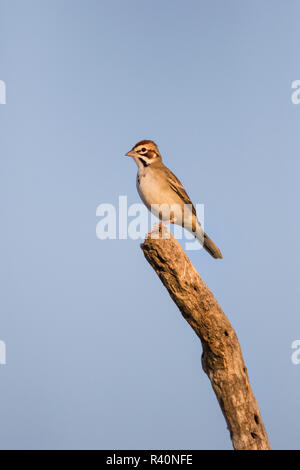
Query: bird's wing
{"type": "Point", "coordinates": [175, 184]}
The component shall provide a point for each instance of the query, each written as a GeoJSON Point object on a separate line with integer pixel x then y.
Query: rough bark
{"type": "Point", "coordinates": [222, 358]}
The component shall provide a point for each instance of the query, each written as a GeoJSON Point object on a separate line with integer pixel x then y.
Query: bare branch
{"type": "Point", "coordinates": [222, 358]}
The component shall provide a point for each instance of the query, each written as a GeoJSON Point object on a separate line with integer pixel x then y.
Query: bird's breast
{"type": "Point", "coordinates": [158, 197]}
{"type": "Point", "coordinates": [149, 189]}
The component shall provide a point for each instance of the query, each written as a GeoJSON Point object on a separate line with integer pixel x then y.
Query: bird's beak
{"type": "Point", "coordinates": [130, 154]}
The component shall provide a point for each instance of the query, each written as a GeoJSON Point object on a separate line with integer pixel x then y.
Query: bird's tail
{"type": "Point", "coordinates": [207, 243]}
{"type": "Point", "coordinates": [211, 248]}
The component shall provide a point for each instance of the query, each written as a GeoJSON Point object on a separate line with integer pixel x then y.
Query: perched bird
{"type": "Point", "coordinates": [163, 194]}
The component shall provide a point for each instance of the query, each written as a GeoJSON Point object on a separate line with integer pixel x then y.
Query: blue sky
{"type": "Point", "coordinates": [98, 356]}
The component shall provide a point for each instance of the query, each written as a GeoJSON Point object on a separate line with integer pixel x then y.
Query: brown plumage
{"type": "Point", "coordinates": [157, 185]}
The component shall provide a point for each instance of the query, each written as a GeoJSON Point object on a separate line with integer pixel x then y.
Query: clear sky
{"type": "Point", "coordinates": [98, 355]}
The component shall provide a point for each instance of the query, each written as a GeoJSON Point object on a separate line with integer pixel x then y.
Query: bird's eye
{"type": "Point", "coordinates": [144, 149]}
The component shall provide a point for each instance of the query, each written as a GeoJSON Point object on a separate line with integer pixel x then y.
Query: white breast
{"type": "Point", "coordinates": [154, 193]}
{"type": "Point", "coordinates": [149, 188]}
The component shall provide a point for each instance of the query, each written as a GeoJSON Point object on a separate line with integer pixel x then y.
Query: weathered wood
{"type": "Point", "coordinates": [222, 358]}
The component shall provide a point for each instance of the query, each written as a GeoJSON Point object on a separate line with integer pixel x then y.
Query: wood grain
{"type": "Point", "coordinates": [222, 358]}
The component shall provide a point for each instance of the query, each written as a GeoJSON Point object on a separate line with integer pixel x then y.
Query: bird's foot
{"type": "Point", "coordinates": [160, 228]}
{"type": "Point", "coordinates": [166, 222]}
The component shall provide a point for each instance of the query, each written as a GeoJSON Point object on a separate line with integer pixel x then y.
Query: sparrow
{"type": "Point", "coordinates": [163, 194]}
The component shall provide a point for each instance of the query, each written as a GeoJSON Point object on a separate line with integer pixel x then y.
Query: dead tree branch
{"type": "Point", "coordinates": [222, 358]}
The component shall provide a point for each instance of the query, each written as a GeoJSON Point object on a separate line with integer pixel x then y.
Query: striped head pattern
{"type": "Point", "coordinates": [145, 152]}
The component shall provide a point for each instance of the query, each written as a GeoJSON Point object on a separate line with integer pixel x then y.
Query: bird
{"type": "Point", "coordinates": [163, 194]}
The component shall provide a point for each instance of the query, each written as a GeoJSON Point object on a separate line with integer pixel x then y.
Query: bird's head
{"type": "Point", "coordinates": [144, 152]}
